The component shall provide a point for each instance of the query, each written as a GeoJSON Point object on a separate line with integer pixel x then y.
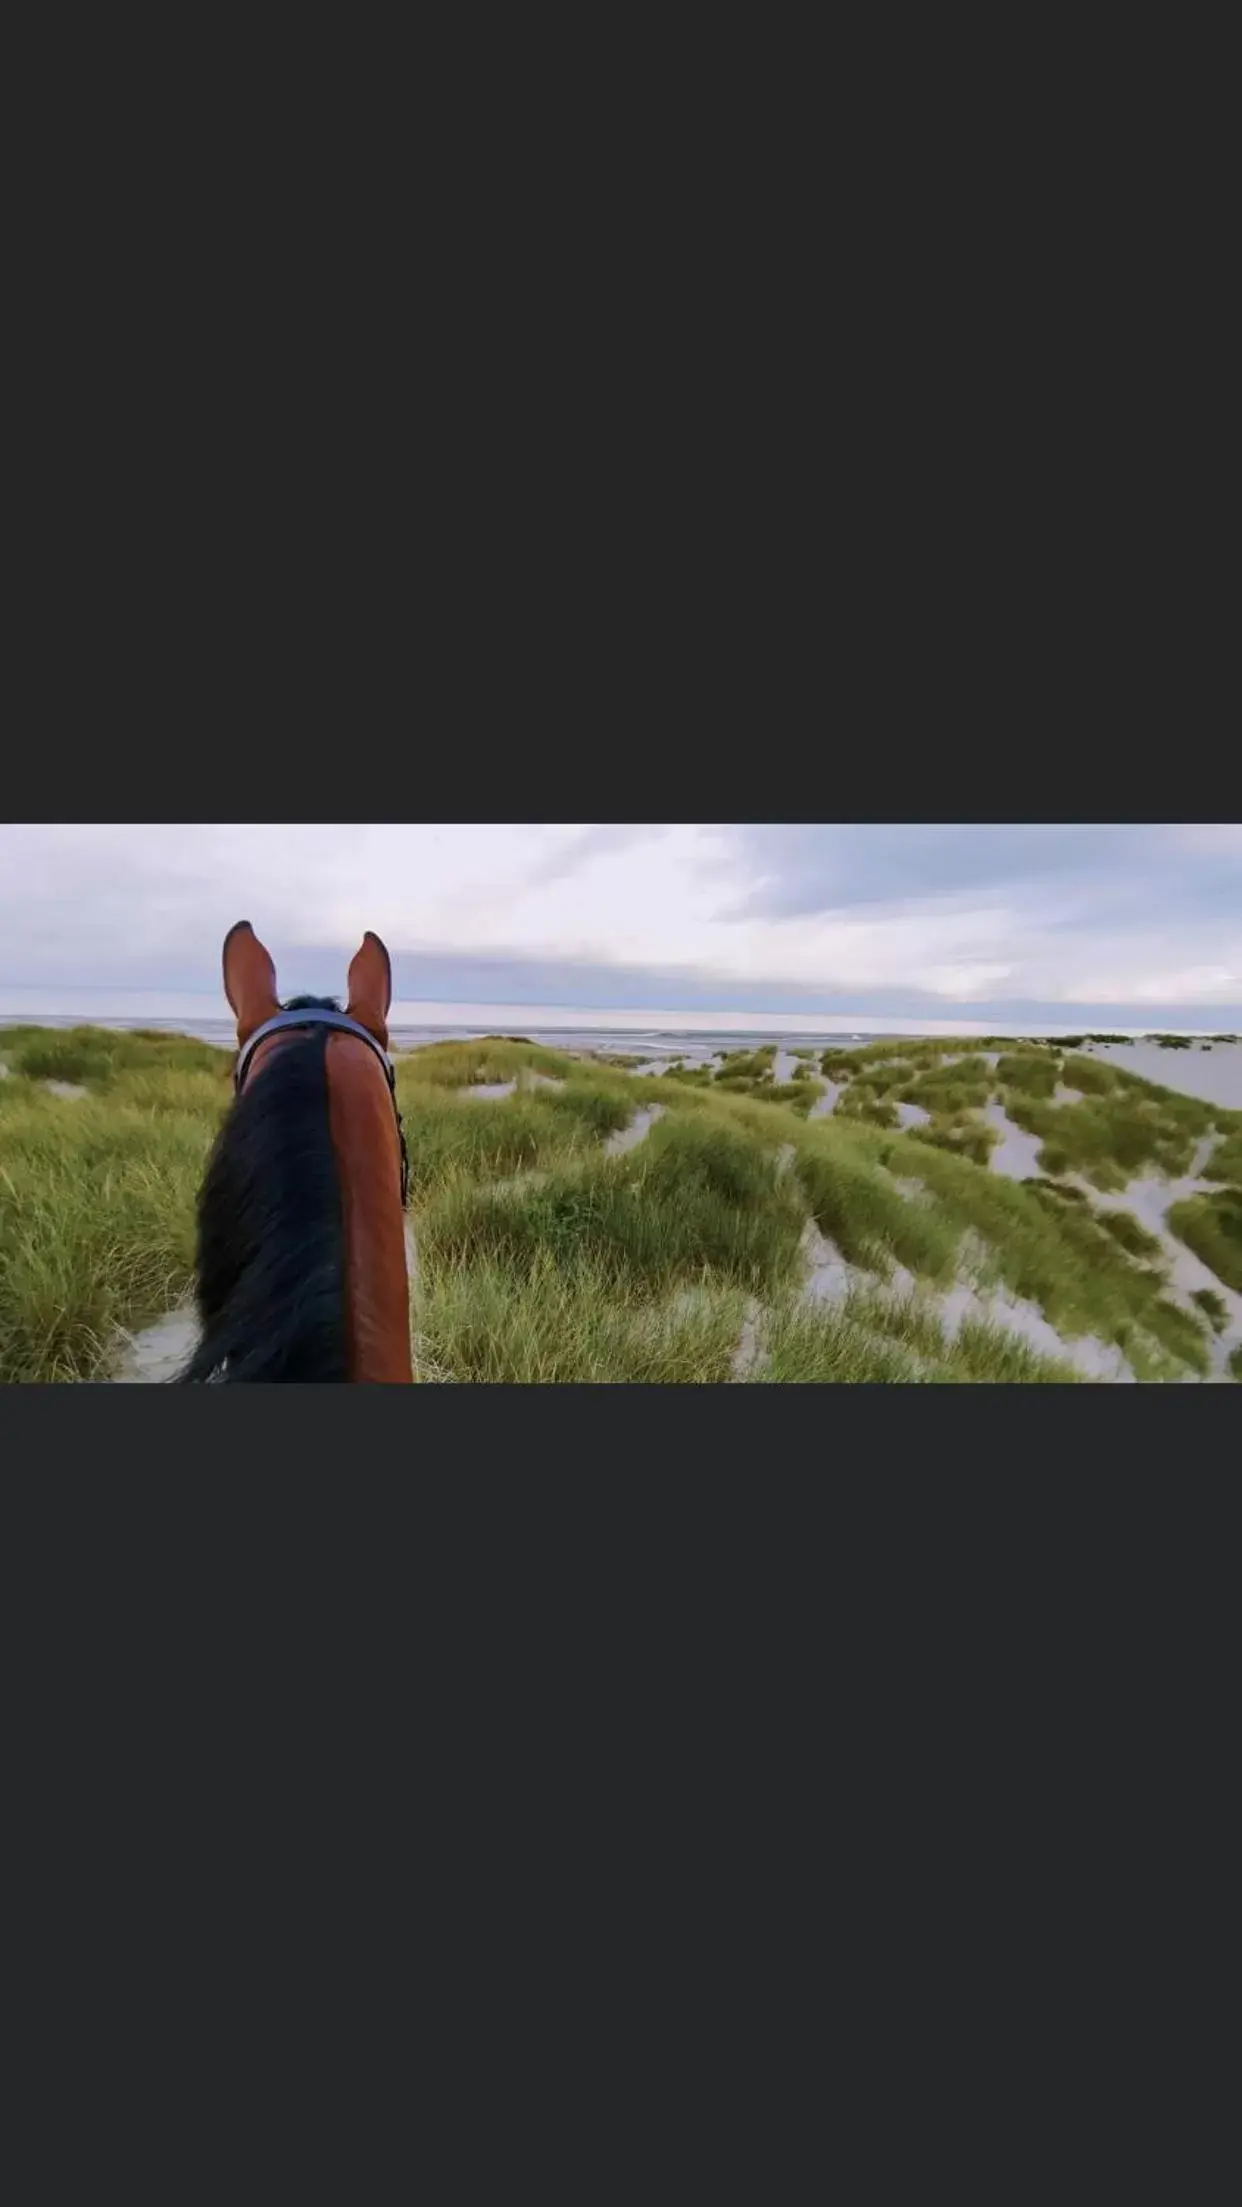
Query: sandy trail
{"type": "Point", "coordinates": [1016, 1153]}
{"type": "Point", "coordinates": [628, 1137]}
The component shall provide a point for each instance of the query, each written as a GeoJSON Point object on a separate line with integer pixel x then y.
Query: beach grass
{"type": "Point", "coordinates": [1133, 1236]}
{"type": "Point", "coordinates": [961, 1134]}
{"type": "Point", "coordinates": [696, 1199]}
{"type": "Point", "coordinates": [542, 1258]}
{"type": "Point", "coordinates": [494, 1058]}
{"type": "Point", "coordinates": [548, 1321]}
{"type": "Point", "coordinates": [95, 1057]}
{"type": "Point", "coordinates": [1225, 1162]}
{"type": "Point", "coordinates": [97, 1204]}
{"type": "Point", "coordinates": [868, 1340]}
{"type": "Point", "coordinates": [947, 1089]}
{"type": "Point", "coordinates": [1211, 1225]}
{"type": "Point", "coordinates": [1213, 1306]}
{"type": "Point", "coordinates": [1027, 1074]}
{"type": "Point", "coordinates": [1112, 1138]}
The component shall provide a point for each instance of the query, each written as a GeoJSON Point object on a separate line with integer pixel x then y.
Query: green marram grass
{"type": "Point", "coordinates": [961, 1134]}
{"type": "Point", "coordinates": [1214, 1307]}
{"type": "Point", "coordinates": [97, 1195]}
{"type": "Point", "coordinates": [868, 1341]}
{"type": "Point", "coordinates": [1225, 1162]}
{"type": "Point", "coordinates": [1211, 1225]}
{"type": "Point", "coordinates": [544, 1259]}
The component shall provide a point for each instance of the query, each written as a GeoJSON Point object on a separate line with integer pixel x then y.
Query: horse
{"type": "Point", "coordinates": [301, 1270]}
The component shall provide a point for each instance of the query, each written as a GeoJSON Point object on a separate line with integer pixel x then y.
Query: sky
{"type": "Point", "coordinates": [1005, 924]}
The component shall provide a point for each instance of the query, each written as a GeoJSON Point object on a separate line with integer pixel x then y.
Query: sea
{"type": "Point", "coordinates": [647, 1038]}
{"type": "Point", "coordinates": [559, 1026]}
{"type": "Point", "coordinates": [652, 1037]}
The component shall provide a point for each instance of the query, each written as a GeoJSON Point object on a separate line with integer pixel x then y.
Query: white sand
{"type": "Point", "coordinates": [68, 1089]}
{"type": "Point", "coordinates": [494, 1091]}
{"type": "Point", "coordinates": [1214, 1075]}
{"type": "Point", "coordinates": [157, 1354]}
{"type": "Point", "coordinates": [830, 1279]}
{"type": "Point", "coordinates": [1094, 1358]}
{"type": "Point", "coordinates": [746, 1354]}
{"type": "Point", "coordinates": [1016, 1152]}
{"type": "Point", "coordinates": [912, 1114]}
{"type": "Point", "coordinates": [1149, 1201]}
{"type": "Point", "coordinates": [629, 1137]}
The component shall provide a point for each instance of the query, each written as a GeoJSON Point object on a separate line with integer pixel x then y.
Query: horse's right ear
{"type": "Point", "coordinates": [249, 980]}
{"type": "Point", "coordinates": [370, 987]}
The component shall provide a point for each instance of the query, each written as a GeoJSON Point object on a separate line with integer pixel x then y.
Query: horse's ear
{"type": "Point", "coordinates": [249, 980]}
{"type": "Point", "coordinates": [370, 988]}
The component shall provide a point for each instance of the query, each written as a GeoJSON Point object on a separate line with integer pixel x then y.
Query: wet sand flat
{"type": "Point", "coordinates": [1214, 1075]}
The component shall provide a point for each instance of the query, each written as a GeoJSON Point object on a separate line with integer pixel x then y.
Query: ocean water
{"type": "Point", "coordinates": [646, 1034]}
{"type": "Point", "coordinates": [651, 1040]}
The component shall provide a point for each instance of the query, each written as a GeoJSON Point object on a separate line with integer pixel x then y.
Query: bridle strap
{"type": "Point", "coordinates": [315, 1015]}
{"type": "Point", "coordinates": [311, 1016]}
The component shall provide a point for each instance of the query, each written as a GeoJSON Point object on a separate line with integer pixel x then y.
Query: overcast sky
{"type": "Point", "coordinates": [1129, 925]}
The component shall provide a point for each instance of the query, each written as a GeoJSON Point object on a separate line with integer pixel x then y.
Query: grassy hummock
{"type": "Point", "coordinates": [543, 1257]}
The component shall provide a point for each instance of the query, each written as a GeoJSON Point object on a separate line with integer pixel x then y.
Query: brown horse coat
{"type": "Point", "coordinates": [365, 1143]}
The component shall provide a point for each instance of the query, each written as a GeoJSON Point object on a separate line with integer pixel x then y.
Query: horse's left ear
{"type": "Point", "coordinates": [249, 980]}
{"type": "Point", "coordinates": [370, 988]}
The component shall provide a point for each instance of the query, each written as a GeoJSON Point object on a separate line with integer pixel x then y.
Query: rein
{"type": "Point", "coordinates": [313, 1015]}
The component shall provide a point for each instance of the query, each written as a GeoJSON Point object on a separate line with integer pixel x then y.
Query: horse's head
{"type": "Point", "coordinates": [300, 1215]}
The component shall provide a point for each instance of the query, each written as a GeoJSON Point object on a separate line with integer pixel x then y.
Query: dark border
{"type": "Point", "coordinates": [796, 1439]}
{"type": "Point", "coordinates": [507, 754]}
{"type": "Point", "coordinates": [823, 1539]}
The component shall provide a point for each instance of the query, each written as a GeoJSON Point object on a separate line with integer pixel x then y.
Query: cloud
{"type": "Point", "coordinates": [812, 916]}
{"type": "Point", "coordinates": [1053, 873]}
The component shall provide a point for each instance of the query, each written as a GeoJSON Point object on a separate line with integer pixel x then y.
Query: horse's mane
{"type": "Point", "coordinates": [270, 1266]}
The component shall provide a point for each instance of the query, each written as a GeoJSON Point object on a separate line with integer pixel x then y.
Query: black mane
{"type": "Point", "coordinates": [270, 1263]}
